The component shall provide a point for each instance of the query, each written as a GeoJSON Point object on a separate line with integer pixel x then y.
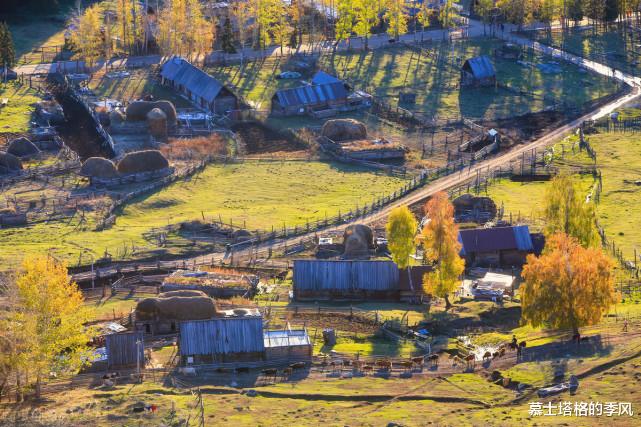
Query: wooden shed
{"type": "Point", "coordinates": [227, 339]}
{"type": "Point", "coordinates": [199, 87]}
{"type": "Point", "coordinates": [125, 349]}
{"type": "Point", "coordinates": [478, 71]}
{"type": "Point", "coordinates": [498, 246]}
{"type": "Point", "coordinates": [307, 98]}
{"type": "Point", "coordinates": [346, 280]}
{"type": "Point", "coordinates": [290, 345]}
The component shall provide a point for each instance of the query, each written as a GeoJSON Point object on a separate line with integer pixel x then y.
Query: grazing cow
{"type": "Point", "coordinates": [470, 359]}
{"type": "Point", "coordinates": [433, 358]}
{"type": "Point", "coordinates": [298, 365]}
{"type": "Point", "coordinates": [271, 372]}
{"type": "Point", "coordinates": [496, 355]}
{"type": "Point", "coordinates": [407, 364]}
{"type": "Point", "coordinates": [384, 365]}
{"type": "Point", "coordinates": [487, 356]}
{"type": "Point", "coordinates": [419, 361]}
{"type": "Point", "coordinates": [502, 352]}
{"type": "Point", "coordinates": [287, 372]}
{"type": "Point", "coordinates": [368, 368]}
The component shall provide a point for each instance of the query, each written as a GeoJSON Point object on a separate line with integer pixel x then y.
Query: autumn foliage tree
{"type": "Point", "coordinates": [401, 230]}
{"type": "Point", "coordinates": [43, 329]}
{"type": "Point", "coordinates": [566, 211]}
{"type": "Point", "coordinates": [441, 248]}
{"type": "Point", "coordinates": [568, 286]}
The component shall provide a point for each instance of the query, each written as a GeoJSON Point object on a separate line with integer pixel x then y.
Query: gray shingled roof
{"type": "Point", "coordinates": [322, 78]}
{"type": "Point", "coordinates": [495, 239]}
{"type": "Point", "coordinates": [481, 67]}
{"type": "Point", "coordinates": [311, 94]}
{"type": "Point", "coordinates": [198, 82]}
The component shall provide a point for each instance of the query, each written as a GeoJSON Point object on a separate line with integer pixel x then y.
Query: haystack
{"type": "Point", "coordinates": [9, 163]}
{"type": "Point", "coordinates": [142, 161]}
{"type": "Point", "coordinates": [98, 167]}
{"type": "Point", "coordinates": [157, 121]}
{"type": "Point", "coordinates": [170, 306]}
{"type": "Point", "coordinates": [358, 239]}
{"type": "Point", "coordinates": [22, 147]}
{"type": "Point", "coordinates": [344, 130]}
{"type": "Point", "coordinates": [138, 110]}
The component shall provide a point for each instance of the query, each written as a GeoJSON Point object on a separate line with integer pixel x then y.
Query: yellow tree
{"type": "Point", "coordinates": [396, 17]}
{"type": "Point", "coordinates": [401, 230]}
{"type": "Point", "coordinates": [241, 12]}
{"type": "Point", "coordinates": [567, 211]}
{"type": "Point", "coordinates": [366, 16]}
{"type": "Point", "coordinates": [201, 36]}
{"type": "Point", "coordinates": [87, 37]}
{"type": "Point", "coordinates": [280, 28]}
{"type": "Point", "coordinates": [48, 309]}
{"type": "Point", "coordinates": [568, 286]}
{"type": "Point", "coordinates": [441, 247]}
{"type": "Point", "coordinates": [425, 16]}
{"type": "Point", "coordinates": [130, 28]}
{"type": "Point", "coordinates": [345, 22]}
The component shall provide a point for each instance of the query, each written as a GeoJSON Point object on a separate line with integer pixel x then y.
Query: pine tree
{"type": "Point", "coordinates": [227, 38]}
{"type": "Point", "coordinates": [7, 49]}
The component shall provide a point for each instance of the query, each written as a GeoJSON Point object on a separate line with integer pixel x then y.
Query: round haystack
{"type": "Point", "coordinates": [98, 167]}
{"type": "Point", "coordinates": [9, 163]}
{"type": "Point", "coordinates": [344, 130]}
{"type": "Point", "coordinates": [157, 121]}
{"type": "Point", "coordinates": [176, 308]}
{"type": "Point", "coordinates": [116, 117]}
{"type": "Point", "coordinates": [358, 239]}
{"type": "Point", "coordinates": [22, 147]}
{"type": "Point", "coordinates": [138, 110]}
{"type": "Point", "coordinates": [469, 208]}
{"type": "Point", "coordinates": [142, 161]}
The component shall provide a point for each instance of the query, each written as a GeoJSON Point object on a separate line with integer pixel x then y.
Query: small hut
{"type": "Point", "coordinates": [162, 314]}
{"type": "Point", "coordinates": [125, 350]}
{"type": "Point", "coordinates": [477, 72]}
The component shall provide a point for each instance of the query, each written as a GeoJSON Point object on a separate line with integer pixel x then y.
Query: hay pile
{"type": "Point", "coordinates": [469, 208]}
{"type": "Point", "coordinates": [22, 147]}
{"type": "Point", "coordinates": [344, 130]}
{"type": "Point", "coordinates": [195, 148]}
{"type": "Point", "coordinates": [9, 163]}
{"type": "Point", "coordinates": [138, 110]}
{"type": "Point", "coordinates": [157, 121]}
{"type": "Point", "coordinates": [177, 305]}
{"type": "Point", "coordinates": [358, 239]}
{"type": "Point", "coordinates": [98, 167]}
{"type": "Point", "coordinates": [142, 161]}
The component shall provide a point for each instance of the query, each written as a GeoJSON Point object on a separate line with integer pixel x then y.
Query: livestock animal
{"type": "Point", "coordinates": [470, 360]}
{"type": "Point", "coordinates": [456, 360]}
{"type": "Point", "coordinates": [347, 362]}
{"type": "Point", "coordinates": [287, 372]}
{"type": "Point", "coordinates": [495, 355]}
{"type": "Point", "coordinates": [433, 358]}
{"type": "Point", "coordinates": [384, 365]}
{"type": "Point", "coordinates": [501, 352]}
{"type": "Point", "coordinates": [514, 346]}
{"type": "Point", "coordinates": [368, 368]}
{"type": "Point", "coordinates": [271, 372]}
{"type": "Point", "coordinates": [187, 370]}
{"type": "Point", "coordinates": [407, 364]}
{"type": "Point", "coordinates": [487, 356]}
{"type": "Point", "coordinates": [298, 365]}
{"type": "Point", "coordinates": [419, 361]}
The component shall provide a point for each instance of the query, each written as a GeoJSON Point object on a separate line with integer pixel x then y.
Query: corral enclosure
{"type": "Point", "coordinates": [433, 73]}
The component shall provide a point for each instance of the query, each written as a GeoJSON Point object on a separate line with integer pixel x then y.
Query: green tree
{"type": "Point", "coordinates": [345, 22]}
{"type": "Point", "coordinates": [441, 248]}
{"type": "Point", "coordinates": [227, 37]}
{"type": "Point", "coordinates": [366, 15]}
{"type": "Point", "coordinates": [87, 37]}
{"type": "Point", "coordinates": [7, 49]}
{"type": "Point", "coordinates": [568, 286]}
{"type": "Point", "coordinates": [401, 231]}
{"type": "Point", "coordinates": [566, 211]}
{"type": "Point", "coordinates": [396, 18]}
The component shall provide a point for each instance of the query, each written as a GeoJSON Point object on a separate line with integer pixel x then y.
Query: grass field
{"type": "Point", "coordinates": [435, 78]}
{"type": "Point", "coordinates": [257, 195]}
{"type": "Point", "coordinates": [616, 48]}
{"type": "Point", "coordinates": [16, 116]}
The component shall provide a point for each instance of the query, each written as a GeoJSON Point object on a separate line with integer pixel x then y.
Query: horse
{"type": "Point", "coordinates": [367, 368]}
{"type": "Point", "coordinates": [470, 360]}
{"type": "Point", "coordinates": [487, 355]}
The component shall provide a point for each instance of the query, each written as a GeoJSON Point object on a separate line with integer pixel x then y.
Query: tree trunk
{"type": "Point", "coordinates": [448, 304]}
{"type": "Point", "coordinates": [38, 386]}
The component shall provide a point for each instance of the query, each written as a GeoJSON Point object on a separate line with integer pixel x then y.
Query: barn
{"type": "Point", "coordinates": [478, 71]}
{"type": "Point", "coordinates": [309, 98]}
{"type": "Point", "coordinates": [200, 88]}
{"type": "Point", "coordinates": [498, 246]}
{"type": "Point", "coordinates": [240, 339]}
{"type": "Point", "coordinates": [346, 280]}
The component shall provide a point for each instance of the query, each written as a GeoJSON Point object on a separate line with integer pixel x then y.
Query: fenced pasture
{"type": "Point", "coordinates": [432, 72]}
{"type": "Point", "coordinates": [15, 117]}
{"type": "Point", "coordinates": [618, 48]}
